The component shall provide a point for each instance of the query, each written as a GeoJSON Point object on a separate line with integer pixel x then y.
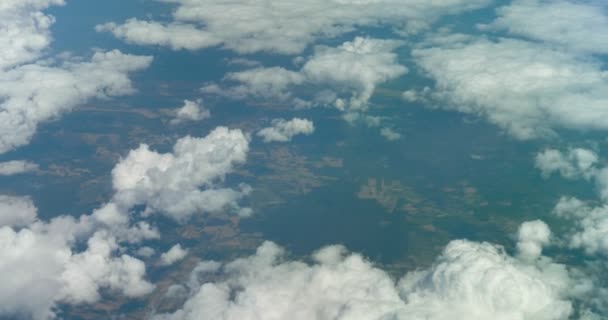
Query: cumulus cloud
{"type": "Point", "coordinates": [528, 89]}
{"type": "Point", "coordinates": [286, 27]}
{"type": "Point", "coordinates": [85, 256]}
{"type": "Point", "coordinates": [356, 67]}
{"type": "Point", "coordinates": [175, 254]}
{"type": "Point", "coordinates": [532, 236]}
{"type": "Point", "coordinates": [469, 280]}
{"type": "Point", "coordinates": [183, 182]}
{"type": "Point", "coordinates": [191, 111]}
{"type": "Point", "coordinates": [390, 134]}
{"type": "Point", "coordinates": [69, 274]}
{"type": "Point", "coordinates": [16, 211]}
{"type": "Point", "coordinates": [176, 36]}
{"type": "Point", "coordinates": [283, 130]}
{"type": "Point", "coordinates": [35, 90]}
{"type": "Point", "coordinates": [590, 229]}
{"type": "Point", "coordinates": [25, 30]}
{"type": "Point", "coordinates": [345, 76]}
{"type": "Point", "coordinates": [575, 163]}
{"type": "Point", "coordinates": [576, 25]}
{"type": "Point", "coordinates": [263, 82]}
{"type": "Point", "coordinates": [591, 224]}
{"type": "Point", "coordinates": [14, 167]}
{"type": "Point", "coordinates": [47, 91]}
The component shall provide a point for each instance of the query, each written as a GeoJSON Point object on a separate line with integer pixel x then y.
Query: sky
{"type": "Point", "coordinates": [325, 159]}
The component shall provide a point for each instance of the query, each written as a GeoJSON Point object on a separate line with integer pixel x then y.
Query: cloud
{"type": "Point", "coordinates": [287, 27]}
{"type": "Point", "coordinates": [85, 256]}
{"type": "Point", "coordinates": [390, 134]}
{"type": "Point", "coordinates": [34, 90]}
{"type": "Point", "coordinates": [575, 25]}
{"type": "Point", "coordinates": [532, 236]}
{"type": "Point", "coordinates": [17, 211]}
{"type": "Point", "coordinates": [345, 76]}
{"type": "Point", "coordinates": [528, 89]}
{"type": "Point", "coordinates": [469, 280]}
{"type": "Point", "coordinates": [14, 167]}
{"type": "Point", "coordinates": [283, 130]}
{"type": "Point", "coordinates": [69, 275]}
{"type": "Point", "coordinates": [575, 163]}
{"type": "Point", "coordinates": [25, 30]}
{"type": "Point", "coordinates": [191, 111]}
{"type": "Point", "coordinates": [263, 82]}
{"type": "Point", "coordinates": [46, 91]}
{"type": "Point", "coordinates": [176, 253]}
{"type": "Point", "coordinates": [591, 224]}
{"type": "Point", "coordinates": [356, 67]}
{"type": "Point", "coordinates": [176, 36]}
{"type": "Point", "coordinates": [186, 181]}
{"type": "Point", "coordinates": [590, 227]}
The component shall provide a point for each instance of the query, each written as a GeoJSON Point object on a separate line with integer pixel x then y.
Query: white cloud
{"type": "Point", "coordinates": [262, 82]}
{"type": "Point", "coordinates": [46, 91]}
{"type": "Point", "coordinates": [468, 281]}
{"type": "Point", "coordinates": [35, 90]}
{"type": "Point", "coordinates": [191, 111]}
{"type": "Point", "coordinates": [575, 25]}
{"type": "Point", "coordinates": [526, 88]}
{"type": "Point", "coordinates": [575, 163]}
{"type": "Point", "coordinates": [145, 252]}
{"type": "Point", "coordinates": [283, 130]}
{"type": "Point", "coordinates": [40, 267]}
{"type": "Point", "coordinates": [177, 36]}
{"type": "Point", "coordinates": [16, 211]}
{"type": "Point", "coordinates": [355, 67]}
{"type": "Point", "coordinates": [84, 257]}
{"type": "Point", "coordinates": [590, 229]}
{"type": "Point", "coordinates": [14, 167]}
{"type": "Point", "coordinates": [284, 27]}
{"type": "Point", "coordinates": [186, 181]}
{"type": "Point", "coordinates": [532, 236]}
{"type": "Point", "coordinates": [175, 254]}
{"type": "Point", "coordinates": [25, 30]}
{"type": "Point", "coordinates": [591, 225]}
{"type": "Point", "coordinates": [390, 134]}
{"type": "Point", "coordinates": [345, 76]}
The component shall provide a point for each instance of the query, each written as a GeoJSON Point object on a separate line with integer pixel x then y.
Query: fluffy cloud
{"type": "Point", "coordinates": [262, 82]}
{"type": "Point", "coordinates": [355, 67]}
{"type": "Point", "coordinates": [591, 224]}
{"type": "Point", "coordinates": [16, 211]}
{"type": "Point", "coordinates": [68, 275]}
{"type": "Point", "coordinates": [186, 181]}
{"type": "Point", "coordinates": [390, 134]}
{"type": "Point", "coordinates": [345, 76]}
{"type": "Point", "coordinates": [10, 168]}
{"type": "Point", "coordinates": [468, 281]}
{"type": "Point", "coordinates": [532, 235]}
{"type": "Point", "coordinates": [575, 25]}
{"type": "Point", "coordinates": [33, 90]}
{"type": "Point", "coordinates": [284, 27]}
{"type": "Point", "coordinates": [283, 130]}
{"type": "Point", "coordinates": [526, 88]}
{"type": "Point", "coordinates": [47, 91]}
{"type": "Point", "coordinates": [175, 254]}
{"type": "Point", "coordinates": [590, 229]}
{"type": "Point", "coordinates": [191, 111]}
{"type": "Point", "coordinates": [83, 256]}
{"type": "Point", "coordinates": [575, 163]}
{"type": "Point", "coordinates": [25, 30]}
{"type": "Point", "coordinates": [177, 36]}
